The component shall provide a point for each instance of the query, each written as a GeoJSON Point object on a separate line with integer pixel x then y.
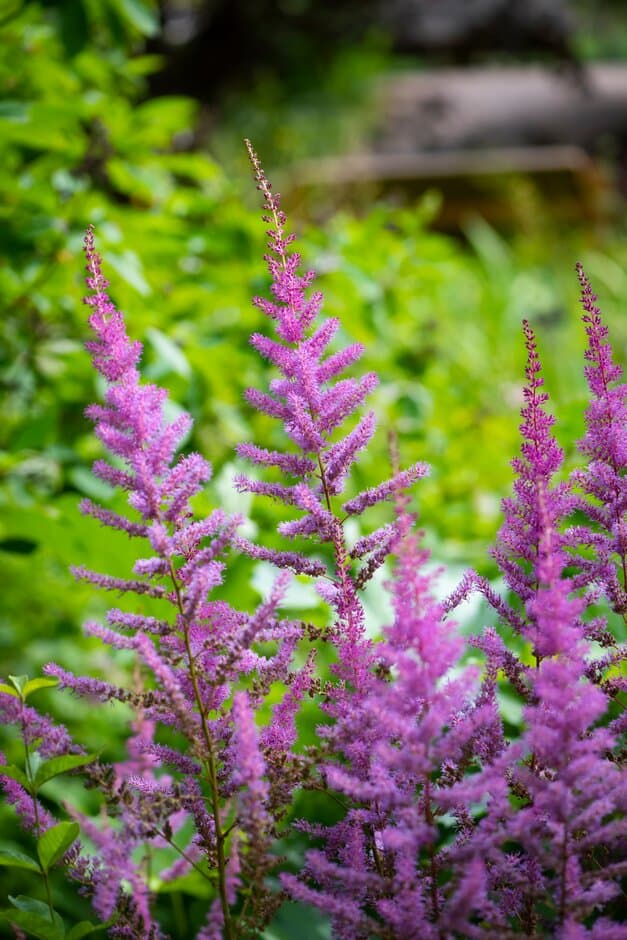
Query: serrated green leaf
{"type": "Point", "coordinates": [33, 685]}
{"type": "Point", "coordinates": [11, 858]}
{"type": "Point", "coordinates": [61, 765]}
{"type": "Point", "coordinates": [41, 927]}
{"type": "Point", "coordinates": [8, 690]}
{"type": "Point", "coordinates": [15, 773]}
{"type": "Point", "coordinates": [55, 842]}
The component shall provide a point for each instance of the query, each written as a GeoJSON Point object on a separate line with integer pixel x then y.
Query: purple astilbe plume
{"type": "Point", "coordinates": [603, 480]}
{"type": "Point", "coordinates": [403, 747]}
{"type": "Point", "coordinates": [557, 858]}
{"type": "Point", "coordinates": [195, 650]}
{"type": "Point", "coordinates": [553, 860]}
{"type": "Point", "coordinates": [537, 503]}
{"type": "Point", "coordinates": [313, 404]}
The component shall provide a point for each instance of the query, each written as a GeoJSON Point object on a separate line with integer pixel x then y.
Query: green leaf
{"type": "Point", "coordinates": [55, 842]}
{"type": "Point", "coordinates": [8, 690]}
{"type": "Point", "coordinates": [139, 16]}
{"type": "Point", "coordinates": [85, 482]}
{"type": "Point", "coordinates": [11, 110]}
{"type": "Point", "coordinates": [18, 682]}
{"type": "Point", "coordinates": [61, 765]}
{"type": "Point", "coordinates": [170, 358]}
{"type": "Point", "coordinates": [74, 26]}
{"type": "Point", "coordinates": [16, 773]}
{"type": "Point", "coordinates": [129, 267]}
{"type": "Point", "coordinates": [41, 927]}
{"type": "Point", "coordinates": [18, 546]}
{"type": "Point", "coordinates": [84, 928]}
{"type": "Point", "coordinates": [34, 684]}
{"type": "Point", "coordinates": [32, 906]}
{"type": "Point", "coordinates": [11, 858]}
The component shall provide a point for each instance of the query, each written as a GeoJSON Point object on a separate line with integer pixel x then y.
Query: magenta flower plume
{"type": "Point", "coordinates": [568, 825]}
{"type": "Point", "coordinates": [196, 650]}
{"type": "Point", "coordinates": [313, 403]}
{"type": "Point", "coordinates": [603, 481]}
{"type": "Point", "coordinates": [537, 502]}
{"type": "Point", "coordinates": [403, 749]}
{"type": "Point", "coordinates": [562, 770]}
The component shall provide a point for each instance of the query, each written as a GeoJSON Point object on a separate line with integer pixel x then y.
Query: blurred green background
{"type": "Point", "coordinates": [124, 114]}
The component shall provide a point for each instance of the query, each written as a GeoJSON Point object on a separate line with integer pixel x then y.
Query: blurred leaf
{"type": "Point", "coordinates": [74, 26]}
{"type": "Point", "coordinates": [18, 111]}
{"type": "Point", "coordinates": [33, 685]}
{"type": "Point", "coordinates": [9, 690]}
{"type": "Point", "coordinates": [39, 926]}
{"type": "Point", "coordinates": [85, 482]}
{"type": "Point", "coordinates": [83, 929]}
{"type": "Point", "coordinates": [141, 16]}
{"type": "Point", "coordinates": [16, 773]}
{"type": "Point", "coordinates": [61, 765]}
{"type": "Point", "coordinates": [129, 267]}
{"type": "Point", "coordinates": [18, 683]}
{"type": "Point", "coordinates": [18, 546]}
{"type": "Point", "coordinates": [33, 906]}
{"type": "Point", "coordinates": [11, 858]}
{"type": "Point", "coordinates": [55, 842]}
{"type": "Point", "coordinates": [170, 357]}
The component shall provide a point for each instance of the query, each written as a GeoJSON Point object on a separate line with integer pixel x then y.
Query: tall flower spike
{"type": "Point", "coordinates": [604, 481]}
{"type": "Point", "coordinates": [535, 499]}
{"type": "Point", "coordinates": [561, 769]}
{"type": "Point", "coordinates": [313, 404]}
{"type": "Point", "coordinates": [196, 649]}
{"type": "Point", "coordinates": [402, 750]}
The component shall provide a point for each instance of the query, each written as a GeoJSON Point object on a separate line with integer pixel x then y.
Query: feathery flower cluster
{"type": "Point", "coordinates": [402, 748]}
{"type": "Point", "coordinates": [555, 857]}
{"type": "Point", "coordinates": [195, 657]}
{"type": "Point", "coordinates": [603, 480]}
{"type": "Point", "coordinates": [313, 404]}
{"type": "Point", "coordinates": [449, 826]}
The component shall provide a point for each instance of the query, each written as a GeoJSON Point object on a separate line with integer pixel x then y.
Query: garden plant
{"type": "Point", "coordinates": [448, 820]}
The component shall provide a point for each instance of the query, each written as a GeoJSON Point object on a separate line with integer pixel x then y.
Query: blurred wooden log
{"type": "Point", "coordinates": [501, 106]}
{"type": "Point", "coordinates": [483, 181]}
{"type": "Point", "coordinates": [461, 131]}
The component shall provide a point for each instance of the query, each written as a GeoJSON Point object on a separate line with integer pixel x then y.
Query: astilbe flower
{"type": "Point", "coordinates": [196, 650]}
{"type": "Point", "coordinates": [603, 480]}
{"type": "Point", "coordinates": [313, 404]}
{"type": "Point", "coordinates": [401, 749]}
{"type": "Point", "coordinates": [553, 859]}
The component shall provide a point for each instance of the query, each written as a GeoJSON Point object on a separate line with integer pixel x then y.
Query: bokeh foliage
{"type": "Point", "coordinates": [439, 317]}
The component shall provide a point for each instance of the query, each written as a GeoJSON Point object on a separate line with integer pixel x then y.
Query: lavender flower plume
{"type": "Point", "coordinates": [314, 403]}
{"type": "Point", "coordinates": [402, 749]}
{"type": "Point", "coordinates": [603, 481]}
{"type": "Point", "coordinates": [562, 770]}
{"type": "Point", "coordinates": [196, 651]}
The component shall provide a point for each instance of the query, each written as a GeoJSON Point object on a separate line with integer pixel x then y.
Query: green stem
{"type": "Point", "coordinates": [33, 795]}
{"type": "Point", "coordinates": [209, 764]}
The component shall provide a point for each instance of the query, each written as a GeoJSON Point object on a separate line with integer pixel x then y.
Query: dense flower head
{"type": "Point", "coordinates": [403, 746]}
{"type": "Point", "coordinates": [313, 403]}
{"type": "Point", "coordinates": [537, 502]}
{"type": "Point", "coordinates": [603, 480]}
